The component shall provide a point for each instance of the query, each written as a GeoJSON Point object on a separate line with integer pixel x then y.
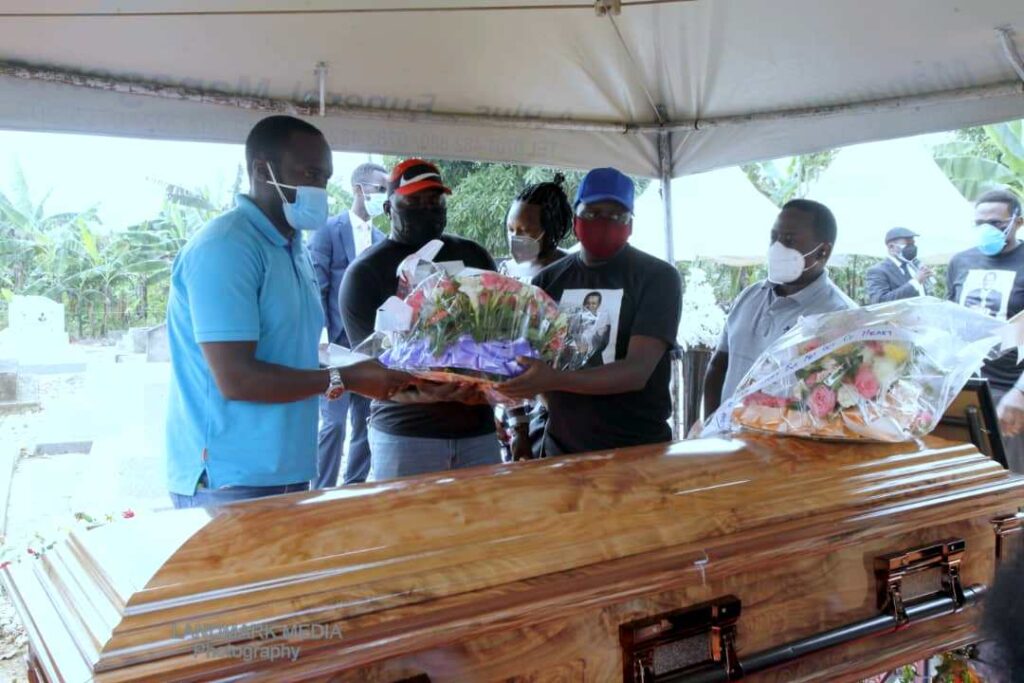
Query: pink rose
{"type": "Point", "coordinates": [922, 422]}
{"type": "Point", "coordinates": [866, 382]}
{"type": "Point", "coordinates": [416, 301]}
{"type": "Point", "coordinates": [759, 398]}
{"type": "Point", "coordinates": [822, 401]}
{"type": "Point", "coordinates": [875, 346]}
{"type": "Point", "coordinates": [810, 345]}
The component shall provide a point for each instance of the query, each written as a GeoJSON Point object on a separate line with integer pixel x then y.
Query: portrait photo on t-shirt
{"type": "Point", "coordinates": [601, 325]}
{"type": "Point", "coordinates": [988, 291]}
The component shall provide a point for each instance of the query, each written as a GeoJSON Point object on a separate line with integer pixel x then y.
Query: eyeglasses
{"type": "Point", "coordinates": [589, 214]}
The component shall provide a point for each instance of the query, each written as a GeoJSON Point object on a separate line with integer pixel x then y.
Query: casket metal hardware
{"type": "Point", "coordinates": [710, 626]}
{"type": "Point", "coordinates": [898, 611]}
{"type": "Point", "coordinates": [1007, 530]}
{"type": "Point", "coordinates": [892, 569]}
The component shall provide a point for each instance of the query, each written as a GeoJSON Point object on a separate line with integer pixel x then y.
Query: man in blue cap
{"type": "Point", "coordinates": [623, 401]}
{"type": "Point", "coordinates": [902, 275]}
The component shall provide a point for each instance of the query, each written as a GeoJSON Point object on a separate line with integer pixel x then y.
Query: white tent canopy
{"type": "Point", "coordinates": [874, 187]}
{"type": "Point", "coordinates": [719, 215]}
{"type": "Point", "coordinates": [532, 81]}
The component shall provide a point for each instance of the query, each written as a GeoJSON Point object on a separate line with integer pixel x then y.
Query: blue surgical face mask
{"type": "Point", "coordinates": [992, 240]}
{"type": "Point", "coordinates": [374, 203]}
{"type": "Point", "coordinates": [309, 210]}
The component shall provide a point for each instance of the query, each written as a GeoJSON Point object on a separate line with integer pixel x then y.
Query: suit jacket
{"type": "Point", "coordinates": [886, 281]}
{"type": "Point", "coordinates": [333, 248]}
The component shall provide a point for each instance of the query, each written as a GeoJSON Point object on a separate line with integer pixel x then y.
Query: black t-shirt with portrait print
{"type": "Point", "coordinates": [995, 286]}
{"type": "Point", "coordinates": [637, 295]}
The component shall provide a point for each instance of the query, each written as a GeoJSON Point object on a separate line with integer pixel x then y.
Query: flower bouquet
{"type": "Point", "coordinates": [472, 327]}
{"type": "Point", "coordinates": [881, 373]}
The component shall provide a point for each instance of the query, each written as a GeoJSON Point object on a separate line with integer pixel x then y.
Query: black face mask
{"type": "Point", "coordinates": [909, 252]}
{"type": "Point", "coordinates": [416, 227]}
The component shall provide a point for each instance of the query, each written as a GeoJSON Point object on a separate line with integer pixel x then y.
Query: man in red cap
{"type": "Point", "coordinates": [419, 431]}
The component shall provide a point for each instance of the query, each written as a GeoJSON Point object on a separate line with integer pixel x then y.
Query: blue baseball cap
{"type": "Point", "coordinates": [603, 184]}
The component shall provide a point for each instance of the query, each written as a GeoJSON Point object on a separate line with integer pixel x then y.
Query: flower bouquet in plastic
{"type": "Point", "coordinates": [881, 373]}
{"type": "Point", "coordinates": [471, 327]}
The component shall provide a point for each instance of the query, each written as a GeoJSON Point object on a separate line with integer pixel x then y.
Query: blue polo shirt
{"type": "Point", "coordinates": [239, 279]}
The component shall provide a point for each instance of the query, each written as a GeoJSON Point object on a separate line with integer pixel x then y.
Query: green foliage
{"type": "Point", "coordinates": [781, 180]}
{"type": "Point", "coordinates": [986, 158]}
{"type": "Point", "coordinates": [105, 280]}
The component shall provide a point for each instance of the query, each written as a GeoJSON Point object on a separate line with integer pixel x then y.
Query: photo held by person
{"type": "Point", "coordinates": [340, 242]}
{"type": "Point", "coordinates": [244, 319]}
{"type": "Point", "coordinates": [430, 427]}
{"type": "Point", "coordinates": [625, 401]}
{"type": "Point", "coordinates": [901, 275]}
{"type": "Point", "coordinates": [538, 221]}
{"type": "Point", "coordinates": [990, 278]}
{"type": "Point", "coordinates": [801, 242]}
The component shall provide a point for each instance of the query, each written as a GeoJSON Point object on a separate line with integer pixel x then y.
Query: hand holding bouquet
{"type": "Point", "coordinates": [473, 327]}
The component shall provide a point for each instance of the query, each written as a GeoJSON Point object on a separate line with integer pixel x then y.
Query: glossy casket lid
{"type": "Point", "coordinates": [331, 556]}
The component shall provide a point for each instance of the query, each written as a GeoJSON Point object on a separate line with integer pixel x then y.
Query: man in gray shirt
{"type": "Point", "coordinates": [797, 285]}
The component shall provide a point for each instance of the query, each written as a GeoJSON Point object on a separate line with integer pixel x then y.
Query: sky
{"type": "Point", "coordinates": [123, 177]}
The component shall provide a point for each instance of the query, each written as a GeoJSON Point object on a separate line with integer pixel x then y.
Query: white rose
{"type": "Point", "coordinates": [886, 371]}
{"type": "Point", "coordinates": [847, 396]}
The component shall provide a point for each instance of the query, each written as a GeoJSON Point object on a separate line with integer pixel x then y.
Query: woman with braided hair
{"type": "Point", "coordinates": [538, 220]}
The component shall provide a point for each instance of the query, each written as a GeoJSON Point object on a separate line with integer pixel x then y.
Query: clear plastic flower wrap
{"type": "Point", "coordinates": [471, 327]}
{"type": "Point", "coordinates": [881, 373]}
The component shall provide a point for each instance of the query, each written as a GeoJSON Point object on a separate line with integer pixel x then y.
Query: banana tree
{"type": "Point", "coordinates": [976, 168]}
{"type": "Point", "coordinates": [781, 180]}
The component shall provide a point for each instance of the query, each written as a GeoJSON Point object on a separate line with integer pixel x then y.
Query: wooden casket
{"type": "Point", "coordinates": [761, 558]}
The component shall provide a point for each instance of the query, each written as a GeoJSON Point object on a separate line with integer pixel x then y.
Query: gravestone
{"type": "Point", "coordinates": [157, 348]}
{"type": "Point", "coordinates": [36, 338]}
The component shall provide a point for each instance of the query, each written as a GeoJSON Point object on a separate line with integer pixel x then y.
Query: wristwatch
{"type": "Point", "coordinates": [336, 388]}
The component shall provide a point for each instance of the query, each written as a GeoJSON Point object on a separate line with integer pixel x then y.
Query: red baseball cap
{"type": "Point", "coordinates": [415, 175]}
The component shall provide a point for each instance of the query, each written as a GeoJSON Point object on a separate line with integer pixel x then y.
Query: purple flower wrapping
{"type": "Point", "coordinates": [492, 357]}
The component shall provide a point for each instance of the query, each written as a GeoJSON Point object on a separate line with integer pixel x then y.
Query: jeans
{"type": "Point", "coordinates": [210, 498]}
{"type": "Point", "coordinates": [404, 456]}
{"type": "Point", "coordinates": [331, 441]}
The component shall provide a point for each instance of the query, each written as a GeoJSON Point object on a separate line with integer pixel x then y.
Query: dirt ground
{"type": "Point", "coordinates": [119, 407]}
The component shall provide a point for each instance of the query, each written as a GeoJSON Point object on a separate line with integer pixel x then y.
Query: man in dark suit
{"type": "Point", "coordinates": [333, 248]}
{"type": "Point", "coordinates": [901, 276]}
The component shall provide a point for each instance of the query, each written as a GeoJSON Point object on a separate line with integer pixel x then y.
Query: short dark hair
{"type": "Point", "coordinates": [823, 221]}
{"type": "Point", "coordinates": [555, 210]}
{"type": "Point", "coordinates": [270, 135]}
{"type": "Point", "coordinates": [364, 171]}
{"type": "Point", "coordinates": [597, 294]}
{"type": "Point", "coordinates": [1001, 196]}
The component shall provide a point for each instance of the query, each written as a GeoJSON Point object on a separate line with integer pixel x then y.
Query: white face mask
{"type": "Point", "coordinates": [786, 265]}
{"type": "Point", "coordinates": [374, 202]}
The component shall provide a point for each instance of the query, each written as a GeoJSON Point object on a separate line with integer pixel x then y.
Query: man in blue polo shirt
{"type": "Point", "coordinates": [243, 321]}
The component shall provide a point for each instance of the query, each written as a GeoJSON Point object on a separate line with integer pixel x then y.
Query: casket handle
{"type": "Point", "coordinates": [642, 639]}
{"type": "Point", "coordinates": [1008, 530]}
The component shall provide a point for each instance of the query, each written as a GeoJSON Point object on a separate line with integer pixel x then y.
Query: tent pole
{"type": "Point", "coordinates": [665, 174]}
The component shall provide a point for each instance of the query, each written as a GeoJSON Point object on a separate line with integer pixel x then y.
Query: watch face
{"type": "Point", "coordinates": [335, 393]}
